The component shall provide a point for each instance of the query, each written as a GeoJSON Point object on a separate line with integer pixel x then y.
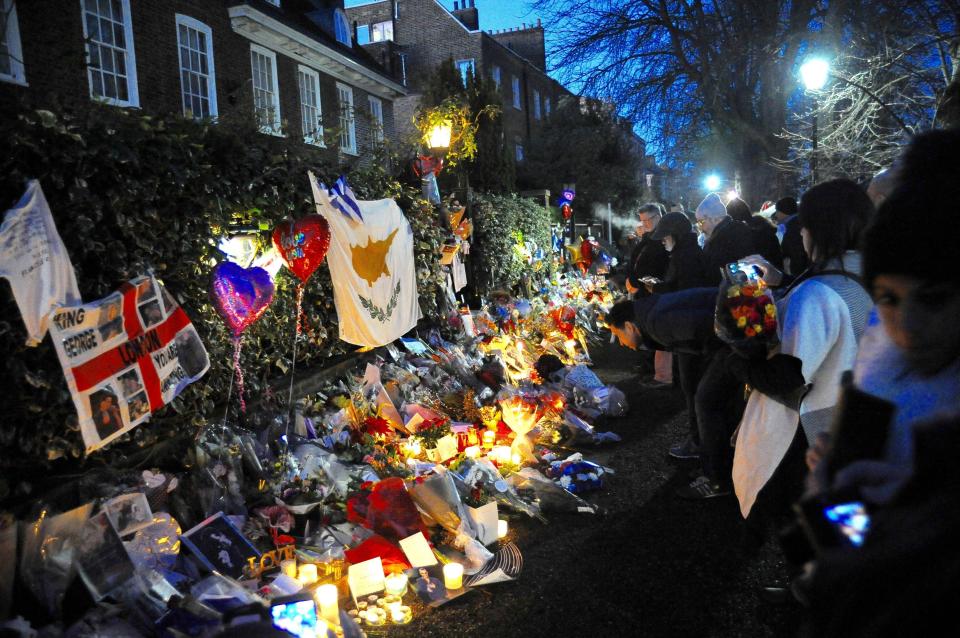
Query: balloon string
{"type": "Point", "coordinates": [239, 373]}
{"type": "Point", "coordinates": [293, 364]}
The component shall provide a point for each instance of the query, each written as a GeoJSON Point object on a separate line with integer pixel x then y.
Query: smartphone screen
{"type": "Point", "coordinates": [851, 520]}
{"type": "Point", "coordinates": [298, 617]}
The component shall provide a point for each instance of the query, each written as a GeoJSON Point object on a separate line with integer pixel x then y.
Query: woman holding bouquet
{"type": "Point", "coordinates": [822, 317]}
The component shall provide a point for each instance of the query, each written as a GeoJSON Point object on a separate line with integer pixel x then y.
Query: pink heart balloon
{"type": "Point", "coordinates": [240, 295]}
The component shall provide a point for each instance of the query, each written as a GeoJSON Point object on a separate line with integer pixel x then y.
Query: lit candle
{"type": "Point", "coordinates": [401, 615]}
{"type": "Point", "coordinates": [396, 584]}
{"type": "Point", "coordinates": [326, 597]}
{"type": "Point", "coordinates": [453, 575]}
{"type": "Point", "coordinates": [289, 567]}
{"type": "Point", "coordinates": [489, 438]}
{"type": "Point", "coordinates": [472, 452]}
{"type": "Point", "coordinates": [307, 574]}
{"type": "Point", "coordinates": [502, 528]}
{"type": "Point", "coordinates": [500, 454]}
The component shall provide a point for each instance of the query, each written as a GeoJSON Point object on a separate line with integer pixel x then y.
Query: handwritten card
{"type": "Point", "coordinates": [418, 551]}
{"type": "Point", "coordinates": [366, 577]}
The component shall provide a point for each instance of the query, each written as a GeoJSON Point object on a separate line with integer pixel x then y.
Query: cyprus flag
{"type": "Point", "coordinates": [371, 264]}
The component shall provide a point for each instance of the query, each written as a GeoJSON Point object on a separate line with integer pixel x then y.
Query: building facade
{"type": "Point", "coordinates": [412, 37]}
{"type": "Point", "coordinates": [293, 63]}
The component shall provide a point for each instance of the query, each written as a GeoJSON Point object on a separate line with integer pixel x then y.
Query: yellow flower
{"type": "Point", "coordinates": [733, 291]}
{"type": "Point", "coordinates": [771, 310]}
{"type": "Point", "coordinates": [741, 322]}
{"type": "Point", "coordinates": [758, 328]}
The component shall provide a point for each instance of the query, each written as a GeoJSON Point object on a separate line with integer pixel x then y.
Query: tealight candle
{"type": "Point", "coordinates": [396, 584]}
{"type": "Point", "coordinates": [502, 528]}
{"type": "Point", "coordinates": [472, 452]}
{"type": "Point", "coordinates": [489, 438]}
{"type": "Point", "coordinates": [307, 574]}
{"type": "Point", "coordinates": [401, 615]}
{"type": "Point", "coordinates": [326, 598]}
{"type": "Point", "coordinates": [289, 567]}
{"type": "Point", "coordinates": [453, 575]}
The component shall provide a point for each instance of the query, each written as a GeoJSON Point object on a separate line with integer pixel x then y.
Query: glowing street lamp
{"type": "Point", "coordinates": [732, 194]}
{"type": "Point", "coordinates": [438, 137]}
{"type": "Point", "coordinates": [814, 73]}
{"type": "Point", "coordinates": [712, 182]}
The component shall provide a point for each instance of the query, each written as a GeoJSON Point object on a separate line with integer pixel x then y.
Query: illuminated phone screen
{"type": "Point", "coordinates": [299, 618]}
{"type": "Point", "coordinates": [851, 519]}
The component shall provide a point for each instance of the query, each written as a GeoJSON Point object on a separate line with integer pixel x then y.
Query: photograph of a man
{"type": "Point", "coordinates": [111, 319]}
{"type": "Point", "coordinates": [105, 410]}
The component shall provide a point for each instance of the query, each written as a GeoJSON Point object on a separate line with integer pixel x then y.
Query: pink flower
{"type": "Point", "coordinates": [278, 517]}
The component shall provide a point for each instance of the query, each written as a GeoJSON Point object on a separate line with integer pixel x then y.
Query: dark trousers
{"type": "Point", "coordinates": [689, 370]}
{"type": "Point", "coordinates": [719, 405]}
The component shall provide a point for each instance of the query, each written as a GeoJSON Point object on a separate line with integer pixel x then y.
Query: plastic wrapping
{"type": "Point", "coordinates": [746, 313]}
{"type": "Point", "coordinates": [48, 553]}
{"type": "Point", "coordinates": [550, 496]}
{"type": "Point", "coordinates": [472, 471]}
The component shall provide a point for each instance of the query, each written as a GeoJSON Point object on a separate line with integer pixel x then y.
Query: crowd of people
{"type": "Point", "coordinates": [848, 425]}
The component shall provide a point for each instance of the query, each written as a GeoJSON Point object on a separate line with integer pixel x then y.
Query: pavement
{"type": "Point", "coordinates": [649, 564]}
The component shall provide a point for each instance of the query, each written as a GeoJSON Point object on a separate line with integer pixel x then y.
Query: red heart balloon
{"type": "Point", "coordinates": [302, 244]}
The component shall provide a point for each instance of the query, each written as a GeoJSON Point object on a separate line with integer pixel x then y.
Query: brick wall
{"type": "Point", "coordinates": [527, 42]}
{"type": "Point", "coordinates": [54, 60]}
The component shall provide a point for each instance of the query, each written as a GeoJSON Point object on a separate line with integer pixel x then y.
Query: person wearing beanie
{"type": "Point", "coordinates": [727, 239]}
{"type": "Point", "coordinates": [903, 579]}
{"type": "Point", "coordinates": [764, 233]}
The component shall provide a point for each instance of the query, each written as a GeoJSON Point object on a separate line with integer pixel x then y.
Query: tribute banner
{"type": "Point", "coordinates": [125, 357]}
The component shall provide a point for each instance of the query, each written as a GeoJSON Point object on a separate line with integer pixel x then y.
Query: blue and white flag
{"type": "Point", "coordinates": [344, 200]}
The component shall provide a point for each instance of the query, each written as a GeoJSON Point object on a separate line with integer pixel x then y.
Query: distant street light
{"type": "Point", "coordinates": [712, 182]}
{"type": "Point", "coordinates": [814, 73]}
{"type": "Point", "coordinates": [732, 195]}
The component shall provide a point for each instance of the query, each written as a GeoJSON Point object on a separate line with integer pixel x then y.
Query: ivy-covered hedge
{"type": "Point", "coordinates": [130, 193]}
{"type": "Point", "coordinates": [502, 224]}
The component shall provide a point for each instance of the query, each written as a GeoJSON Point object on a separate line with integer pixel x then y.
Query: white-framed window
{"type": "Point", "coordinates": [363, 34]}
{"type": "Point", "coordinates": [383, 31]}
{"type": "Point", "coordinates": [519, 152]}
{"type": "Point", "coordinates": [536, 104]}
{"type": "Point", "coordinates": [198, 85]}
{"type": "Point", "coordinates": [348, 128]}
{"type": "Point", "coordinates": [11, 53]}
{"type": "Point", "coordinates": [546, 105]}
{"type": "Point", "coordinates": [465, 67]}
{"type": "Point", "coordinates": [496, 73]}
{"type": "Point", "coordinates": [111, 62]}
{"type": "Point", "coordinates": [311, 113]}
{"type": "Point", "coordinates": [376, 117]}
{"type": "Point", "coordinates": [266, 93]}
{"type": "Point", "coordinates": [341, 28]}
{"type": "Point", "coordinates": [515, 82]}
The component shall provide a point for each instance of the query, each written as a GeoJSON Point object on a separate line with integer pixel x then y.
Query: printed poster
{"type": "Point", "coordinates": [125, 357]}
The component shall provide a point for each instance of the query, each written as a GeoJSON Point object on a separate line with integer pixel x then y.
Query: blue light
{"type": "Point", "coordinates": [712, 182]}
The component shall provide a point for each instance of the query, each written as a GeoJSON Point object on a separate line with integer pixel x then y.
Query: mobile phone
{"type": "Point", "coordinates": [298, 615]}
{"type": "Point", "coordinates": [738, 272]}
{"type": "Point", "coordinates": [833, 524]}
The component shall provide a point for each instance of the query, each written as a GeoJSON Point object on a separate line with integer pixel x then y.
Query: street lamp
{"type": "Point", "coordinates": [438, 137]}
{"type": "Point", "coordinates": [814, 73]}
{"type": "Point", "coordinates": [712, 182]}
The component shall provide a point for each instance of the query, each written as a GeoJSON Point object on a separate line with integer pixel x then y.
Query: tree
{"type": "Point", "coordinates": [721, 74]}
{"type": "Point", "coordinates": [583, 141]}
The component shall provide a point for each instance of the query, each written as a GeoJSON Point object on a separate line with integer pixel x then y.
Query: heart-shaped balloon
{"type": "Point", "coordinates": [303, 243]}
{"type": "Point", "coordinates": [240, 295]}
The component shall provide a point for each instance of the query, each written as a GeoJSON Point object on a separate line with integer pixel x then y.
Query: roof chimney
{"type": "Point", "coordinates": [466, 13]}
{"type": "Point", "coordinates": [456, 5]}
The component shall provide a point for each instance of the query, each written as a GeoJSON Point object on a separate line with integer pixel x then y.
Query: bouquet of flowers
{"type": "Point", "coordinates": [746, 315]}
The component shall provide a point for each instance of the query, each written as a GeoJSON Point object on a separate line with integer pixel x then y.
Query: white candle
{"type": "Point", "coordinates": [472, 452]}
{"type": "Point", "coordinates": [326, 597]}
{"type": "Point", "coordinates": [396, 584]}
{"type": "Point", "coordinates": [500, 454]}
{"type": "Point", "coordinates": [307, 574]}
{"type": "Point", "coordinates": [453, 575]}
{"type": "Point", "coordinates": [289, 567]}
{"type": "Point", "coordinates": [502, 528]}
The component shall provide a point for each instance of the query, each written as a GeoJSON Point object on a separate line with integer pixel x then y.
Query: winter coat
{"type": "Point", "coordinates": [687, 268]}
{"type": "Point", "coordinates": [795, 259]}
{"type": "Point", "coordinates": [648, 259]}
{"type": "Point", "coordinates": [765, 240]}
{"type": "Point", "coordinates": [731, 240]}
{"type": "Point", "coordinates": [678, 321]}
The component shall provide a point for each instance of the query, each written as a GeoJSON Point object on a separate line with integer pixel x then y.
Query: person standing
{"type": "Point", "coordinates": [795, 260]}
{"type": "Point", "coordinates": [727, 240]}
{"type": "Point", "coordinates": [686, 270]}
{"type": "Point", "coordinates": [649, 260]}
{"type": "Point", "coordinates": [764, 233]}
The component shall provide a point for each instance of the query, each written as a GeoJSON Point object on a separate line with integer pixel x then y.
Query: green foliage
{"type": "Point", "coordinates": [493, 169]}
{"type": "Point", "coordinates": [587, 145]}
{"type": "Point", "coordinates": [132, 193]}
{"type": "Point", "coordinates": [501, 224]}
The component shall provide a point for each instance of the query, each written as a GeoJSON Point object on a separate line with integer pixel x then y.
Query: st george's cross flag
{"type": "Point", "coordinates": [126, 356]}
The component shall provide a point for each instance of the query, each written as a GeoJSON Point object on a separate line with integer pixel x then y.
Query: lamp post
{"type": "Point", "coordinates": [814, 73]}
{"type": "Point", "coordinates": [712, 182]}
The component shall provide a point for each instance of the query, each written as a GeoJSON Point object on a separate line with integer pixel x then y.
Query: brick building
{"type": "Point", "coordinates": [293, 63]}
{"type": "Point", "coordinates": [411, 37]}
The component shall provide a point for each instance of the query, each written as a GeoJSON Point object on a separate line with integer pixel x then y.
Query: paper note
{"type": "Point", "coordinates": [484, 520]}
{"type": "Point", "coordinates": [413, 423]}
{"type": "Point", "coordinates": [418, 551]}
{"type": "Point", "coordinates": [447, 447]}
{"type": "Point", "coordinates": [366, 577]}
{"type": "Point", "coordinates": [371, 375]}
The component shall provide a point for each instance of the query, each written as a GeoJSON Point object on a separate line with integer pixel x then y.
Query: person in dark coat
{"type": "Point", "coordinates": [727, 239]}
{"type": "Point", "coordinates": [795, 259]}
{"type": "Point", "coordinates": [686, 270]}
{"type": "Point", "coordinates": [649, 258]}
{"type": "Point", "coordinates": [678, 321]}
{"type": "Point", "coordinates": [764, 233]}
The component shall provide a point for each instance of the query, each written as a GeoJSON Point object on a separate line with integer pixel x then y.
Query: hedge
{"type": "Point", "coordinates": [130, 193]}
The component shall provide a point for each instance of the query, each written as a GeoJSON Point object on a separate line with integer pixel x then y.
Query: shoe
{"type": "Point", "coordinates": [702, 489]}
{"type": "Point", "coordinates": [652, 384]}
{"type": "Point", "coordinates": [686, 449]}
